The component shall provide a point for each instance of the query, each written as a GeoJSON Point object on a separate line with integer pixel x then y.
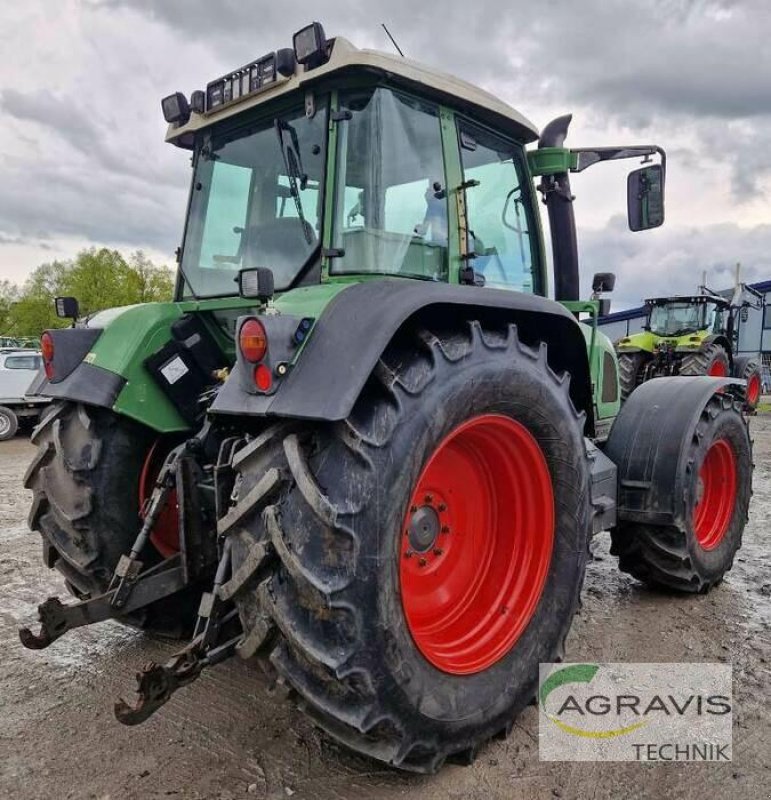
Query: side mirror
{"type": "Point", "coordinates": [603, 282]}
{"type": "Point", "coordinates": [66, 307]}
{"type": "Point", "coordinates": [645, 198]}
{"type": "Point", "coordinates": [256, 283]}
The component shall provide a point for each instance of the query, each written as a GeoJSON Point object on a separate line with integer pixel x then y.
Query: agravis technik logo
{"type": "Point", "coordinates": [635, 712]}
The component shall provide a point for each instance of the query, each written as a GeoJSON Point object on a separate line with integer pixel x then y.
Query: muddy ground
{"type": "Point", "coordinates": [227, 736]}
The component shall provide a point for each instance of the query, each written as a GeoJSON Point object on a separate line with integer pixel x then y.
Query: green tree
{"type": "Point", "coordinates": [8, 296]}
{"type": "Point", "coordinates": [150, 283]}
{"type": "Point", "coordinates": [33, 311]}
{"type": "Point", "coordinates": [99, 278]}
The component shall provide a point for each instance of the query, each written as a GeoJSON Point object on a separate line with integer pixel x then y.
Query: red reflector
{"type": "Point", "coordinates": [47, 351]}
{"type": "Point", "coordinates": [263, 380]}
{"type": "Point", "coordinates": [253, 341]}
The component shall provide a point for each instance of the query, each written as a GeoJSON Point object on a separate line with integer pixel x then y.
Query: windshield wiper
{"type": "Point", "coordinates": [298, 180]}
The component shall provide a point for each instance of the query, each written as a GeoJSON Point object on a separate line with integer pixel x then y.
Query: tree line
{"type": "Point", "coordinates": [98, 278]}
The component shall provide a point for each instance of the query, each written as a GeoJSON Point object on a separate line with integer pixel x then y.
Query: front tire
{"type": "Point", "coordinates": [386, 656]}
{"type": "Point", "coordinates": [696, 556]}
{"type": "Point", "coordinates": [748, 369]}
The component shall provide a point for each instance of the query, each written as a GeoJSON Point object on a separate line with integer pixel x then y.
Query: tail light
{"type": "Point", "coordinates": [47, 351]}
{"type": "Point", "coordinates": [263, 378]}
{"type": "Point", "coordinates": [253, 341]}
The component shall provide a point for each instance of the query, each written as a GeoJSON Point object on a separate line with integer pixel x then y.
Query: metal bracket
{"type": "Point", "coordinates": [56, 618]}
{"type": "Point", "coordinates": [310, 105]}
{"type": "Point", "coordinates": [343, 115]}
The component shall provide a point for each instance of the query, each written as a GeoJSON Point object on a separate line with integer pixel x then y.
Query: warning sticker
{"type": "Point", "coordinates": [174, 370]}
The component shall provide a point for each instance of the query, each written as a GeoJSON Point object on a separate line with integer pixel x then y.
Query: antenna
{"type": "Point", "coordinates": [393, 41]}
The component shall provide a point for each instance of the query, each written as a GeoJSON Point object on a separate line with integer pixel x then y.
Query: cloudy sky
{"type": "Point", "coordinates": [82, 157]}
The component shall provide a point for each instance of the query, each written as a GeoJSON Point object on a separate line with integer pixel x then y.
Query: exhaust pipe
{"type": "Point", "coordinates": [562, 222]}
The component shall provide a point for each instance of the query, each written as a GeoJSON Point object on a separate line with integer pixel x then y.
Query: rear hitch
{"type": "Point", "coordinates": [56, 618]}
{"type": "Point", "coordinates": [131, 588]}
{"type": "Point", "coordinates": [156, 683]}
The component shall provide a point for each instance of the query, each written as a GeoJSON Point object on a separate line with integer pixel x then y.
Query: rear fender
{"type": "Point", "coordinates": [111, 362]}
{"type": "Point", "coordinates": [649, 442]}
{"type": "Point", "coordinates": [359, 322]}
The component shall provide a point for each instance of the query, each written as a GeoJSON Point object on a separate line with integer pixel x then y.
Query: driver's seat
{"type": "Point", "coordinates": [281, 245]}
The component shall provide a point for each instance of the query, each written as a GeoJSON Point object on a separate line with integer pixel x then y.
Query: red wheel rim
{"type": "Point", "coordinates": [165, 534]}
{"type": "Point", "coordinates": [717, 495]}
{"type": "Point", "coordinates": [476, 544]}
{"type": "Point", "coordinates": [718, 369]}
{"type": "Point", "coordinates": [753, 390]}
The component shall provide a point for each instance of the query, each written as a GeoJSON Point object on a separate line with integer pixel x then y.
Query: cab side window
{"type": "Point", "coordinates": [499, 211]}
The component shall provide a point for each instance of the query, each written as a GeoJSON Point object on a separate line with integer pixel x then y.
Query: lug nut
{"type": "Point", "coordinates": [422, 562]}
{"type": "Point", "coordinates": [442, 507]}
{"type": "Point", "coordinates": [445, 528]}
{"type": "Point", "coordinates": [413, 509]}
{"type": "Point", "coordinates": [429, 498]}
{"type": "Point", "coordinates": [438, 551]}
{"type": "Point", "coordinates": [408, 554]}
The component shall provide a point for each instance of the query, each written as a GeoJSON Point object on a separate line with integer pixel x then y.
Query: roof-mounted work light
{"type": "Point", "coordinates": [198, 101]}
{"type": "Point", "coordinates": [310, 45]}
{"type": "Point", "coordinates": [176, 108]}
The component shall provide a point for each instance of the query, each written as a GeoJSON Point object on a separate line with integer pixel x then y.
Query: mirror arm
{"type": "Point", "coordinates": [588, 156]}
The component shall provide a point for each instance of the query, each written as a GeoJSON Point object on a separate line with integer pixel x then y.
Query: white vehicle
{"type": "Point", "coordinates": [18, 369]}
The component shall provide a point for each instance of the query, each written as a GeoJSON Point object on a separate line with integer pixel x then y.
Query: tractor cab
{"type": "Point", "coordinates": [679, 316]}
{"type": "Point", "coordinates": [351, 165]}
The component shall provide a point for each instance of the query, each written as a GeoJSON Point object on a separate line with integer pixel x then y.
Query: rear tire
{"type": "Point", "coordinates": [748, 369]}
{"type": "Point", "coordinates": [697, 556]}
{"type": "Point", "coordinates": [712, 359]}
{"type": "Point", "coordinates": [84, 480]}
{"type": "Point", "coordinates": [629, 366]}
{"type": "Point", "coordinates": [9, 423]}
{"type": "Point", "coordinates": [332, 504]}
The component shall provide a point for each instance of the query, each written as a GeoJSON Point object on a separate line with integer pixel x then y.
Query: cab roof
{"type": "Point", "coordinates": [347, 59]}
{"type": "Point", "coordinates": [688, 298]}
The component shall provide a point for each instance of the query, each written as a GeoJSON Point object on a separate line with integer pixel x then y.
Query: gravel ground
{"type": "Point", "coordinates": [228, 736]}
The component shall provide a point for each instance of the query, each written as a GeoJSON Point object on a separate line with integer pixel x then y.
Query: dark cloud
{"type": "Point", "coordinates": [671, 260]}
{"type": "Point", "coordinates": [654, 65]}
{"type": "Point", "coordinates": [702, 57]}
{"type": "Point", "coordinates": [86, 159]}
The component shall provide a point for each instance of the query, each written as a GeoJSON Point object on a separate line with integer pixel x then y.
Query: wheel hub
{"type": "Point", "coordinates": [476, 544]}
{"type": "Point", "coordinates": [423, 528]}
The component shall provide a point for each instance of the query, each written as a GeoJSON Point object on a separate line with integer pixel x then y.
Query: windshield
{"type": "Point", "coordinates": [391, 199]}
{"type": "Point", "coordinates": [675, 319]}
{"type": "Point", "coordinates": [256, 202]}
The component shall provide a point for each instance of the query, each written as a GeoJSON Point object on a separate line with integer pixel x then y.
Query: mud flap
{"type": "Point", "coordinates": [648, 443]}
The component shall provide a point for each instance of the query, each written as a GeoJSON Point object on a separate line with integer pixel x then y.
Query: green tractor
{"type": "Point", "coordinates": [692, 335]}
{"type": "Point", "coordinates": [361, 445]}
